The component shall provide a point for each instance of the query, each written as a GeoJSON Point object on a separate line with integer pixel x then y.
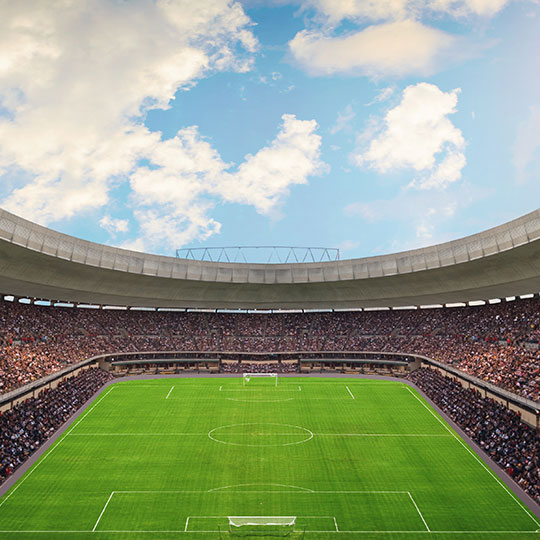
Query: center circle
{"type": "Point", "coordinates": [260, 434]}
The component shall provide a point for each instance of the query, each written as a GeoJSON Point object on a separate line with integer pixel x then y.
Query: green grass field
{"type": "Point", "coordinates": [350, 458]}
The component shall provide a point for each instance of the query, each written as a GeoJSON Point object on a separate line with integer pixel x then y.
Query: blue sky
{"type": "Point", "coordinates": [372, 127]}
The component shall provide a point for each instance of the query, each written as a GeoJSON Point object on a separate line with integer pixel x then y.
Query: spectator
{"type": "Point", "coordinates": [25, 427]}
{"type": "Point", "coordinates": [498, 343]}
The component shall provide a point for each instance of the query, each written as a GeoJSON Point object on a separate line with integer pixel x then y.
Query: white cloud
{"type": "Point", "coordinates": [167, 195]}
{"type": "Point", "coordinates": [401, 37]}
{"type": "Point", "coordinates": [263, 179]}
{"type": "Point", "coordinates": [463, 8]}
{"type": "Point", "coordinates": [76, 79]}
{"type": "Point", "coordinates": [334, 11]}
{"type": "Point", "coordinates": [187, 177]}
{"type": "Point", "coordinates": [343, 120]}
{"type": "Point", "coordinates": [174, 229]}
{"type": "Point", "coordinates": [527, 144]}
{"type": "Point", "coordinates": [421, 216]}
{"type": "Point", "coordinates": [114, 225]}
{"type": "Point", "coordinates": [391, 49]}
{"type": "Point", "coordinates": [417, 134]}
{"type": "Point", "coordinates": [384, 95]}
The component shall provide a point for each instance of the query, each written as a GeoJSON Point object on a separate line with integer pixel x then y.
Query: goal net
{"type": "Point", "coordinates": [252, 377]}
{"type": "Point", "coordinates": [261, 525]}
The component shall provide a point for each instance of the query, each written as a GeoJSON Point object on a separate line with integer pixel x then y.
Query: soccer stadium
{"type": "Point", "coordinates": [174, 365]}
{"type": "Point", "coordinates": [295, 417]}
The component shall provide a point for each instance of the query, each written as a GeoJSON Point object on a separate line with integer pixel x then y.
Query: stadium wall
{"type": "Point", "coordinates": [36, 262]}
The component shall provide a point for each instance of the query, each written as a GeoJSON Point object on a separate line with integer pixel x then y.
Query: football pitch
{"type": "Point", "coordinates": [347, 458]}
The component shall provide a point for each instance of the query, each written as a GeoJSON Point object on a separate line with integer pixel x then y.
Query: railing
{"type": "Point", "coordinates": [38, 384]}
{"type": "Point", "coordinates": [528, 404]}
{"type": "Point", "coordinates": [260, 254]}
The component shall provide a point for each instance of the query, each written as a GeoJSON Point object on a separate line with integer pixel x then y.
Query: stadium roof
{"type": "Point", "coordinates": [37, 262]}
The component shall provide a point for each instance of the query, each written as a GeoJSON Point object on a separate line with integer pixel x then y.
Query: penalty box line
{"type": "Point", "coordinates": [337, 530]}
{"type": "Point", "coordinates": [103, 511]}
{"type": "Point", "coordinates": [213, 491]}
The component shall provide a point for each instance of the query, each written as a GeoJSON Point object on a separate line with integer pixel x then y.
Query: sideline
{"type": "Point", "coordinates": [532, 506]}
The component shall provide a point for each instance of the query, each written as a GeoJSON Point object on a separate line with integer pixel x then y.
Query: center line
{"type": "Point", "coordinates": [349, 390]}
{"type": "Point", "coordinates": [172, 388]}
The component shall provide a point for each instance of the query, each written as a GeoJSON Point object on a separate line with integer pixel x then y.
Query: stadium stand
{"type": "Point", "coordinates": [25, 427]}
{"type": "Point", "coordinates": [497, 343]}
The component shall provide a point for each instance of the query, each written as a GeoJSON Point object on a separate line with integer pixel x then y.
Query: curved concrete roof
{"type": "Point", "coordinates": [42, 263]}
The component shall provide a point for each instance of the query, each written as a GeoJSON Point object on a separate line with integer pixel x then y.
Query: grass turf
{"type": "Point", "coordinates": [172, 458]}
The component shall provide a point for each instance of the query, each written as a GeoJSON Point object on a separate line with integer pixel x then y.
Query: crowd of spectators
{"type": "Point", "coordinates": [259, 367]}
{"type": "Point", "coordinates": [496, 342]}
{"type": "Point", "coordinates": [26, 426]}
{"type": "Point", "coordinates": [496, 429]}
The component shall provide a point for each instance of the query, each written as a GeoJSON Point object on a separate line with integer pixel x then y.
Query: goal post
{"type": "Point", "coordinates": [247, 377]}
{"type": "Point", "coordinates": [261, 525]}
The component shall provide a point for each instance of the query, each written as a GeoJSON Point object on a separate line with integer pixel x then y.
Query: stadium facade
{"type": "Point", "coordinates": [37, 262]}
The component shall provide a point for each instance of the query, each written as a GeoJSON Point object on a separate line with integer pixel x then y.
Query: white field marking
{"type": "Point", "coordinates": [418, 510]}
{"type": "Point", "coordinates": [259, 389]}
{"type": "Point", "coordinates": [103, 511]}
{"type": "Point", "coordinates": [335, 523]}
{"type": "Point", "coordinates": [284, 385]}
{"type": "Point", "coordinates": [172, 388]}
{"type": "Point", "coordinates": [427, 531]}
{"type": "Point", "coordinates": [226, 490]}
{"type": "Point", "coordinates": [186, 434]}
{"type": "Point", "coordinates": [264, 484]}
{"type": "Point", "coordinates": [134, 531]}
{"type": "Point", "coordinates": [524, 508]}
{"type": "Point", "coordinates": [299, 388]}
{"type": "Point", "coordinates": [352, 382]}
{"type": "Point", "coordinates": [349, 390]}
{"type": "Point", "coordinates": [265, 517]}
{"type": "Point", "coordinates": [309, 432]}
{"type": "Point", "coordinates": [171, 434]}
{"type": "Point", "coordinates": [133, 384]}
{"type": "Point", "coordinates": [53, 448]}
{"type": "Point", "coordinates": [220, 388]}
{"type": "Point", "coordinates": [381, 435]}
{"type": "Point", "coordinates": [259, 400]}
{"type": "Point", "coordinates": [317, 399]}
{"type": "Point", "coordinates": [187, 523]}
{"type": "Point", "coordinates": [283, 434]}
